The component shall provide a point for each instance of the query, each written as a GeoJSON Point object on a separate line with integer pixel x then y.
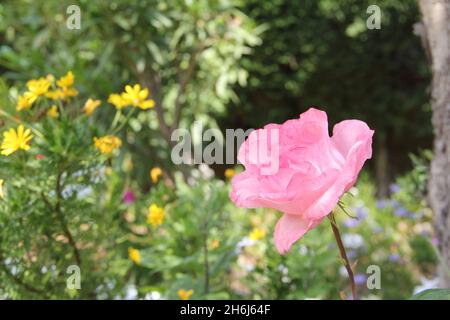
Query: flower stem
{"type": "Point", "coordinates": [343, 254]}
{"type": "Point", "coordinates": [116, 119]}
{"type": "Point", "coordinates": [125, 121]}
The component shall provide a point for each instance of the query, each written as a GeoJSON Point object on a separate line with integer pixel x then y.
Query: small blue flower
{"type": "Point", "coordinates": [360, 278]}
{"type": "Point", "coordinates": [351, 254]}
{"type": "Point", "coordinates": [401, 212]}
{"type": "Point", "coordinates": [378, 229]}
{"type": "Point", "coordinates": [351, 223]}
{"type": "Point", "coordinates": [361, 212]}
{"type": "Point", "coordinates": [394, 203]}
{"type": "Point", "coordinates": [394, 257]}
{"type": "Point", "coordinates": [380, 204]}
{"type": "Point", "coordinates": [394, 188]}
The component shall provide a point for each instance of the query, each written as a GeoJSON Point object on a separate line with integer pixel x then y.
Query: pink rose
{"type": "Point", "coordinates": [298, 169]}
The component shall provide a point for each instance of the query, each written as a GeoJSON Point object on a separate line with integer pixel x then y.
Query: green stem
{"type": "Point", "coordinates": [125, 121]}
{"type": "Point", "coordinates": [116, 119]}
{"type": "Point", "coordinates": [206, 263]}
{"type": "Point", "coordinates": [205, 252]}
{"type": "Point", "coordinates": [343, 254]}
{"type": "Point", "coordinates": [10, 117]}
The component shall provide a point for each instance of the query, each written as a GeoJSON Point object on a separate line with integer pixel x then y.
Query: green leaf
{"type": "Point", "coordinates": [432, 294]}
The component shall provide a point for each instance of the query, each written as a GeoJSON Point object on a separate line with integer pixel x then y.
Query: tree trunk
{"type": "Point", "coordinates": [381, 159]}
{"type": "Point", "coordinates": [436, 17]}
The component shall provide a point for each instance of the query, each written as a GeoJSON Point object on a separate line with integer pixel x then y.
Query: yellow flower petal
{"type": "Point", "coordinates": [117, 100]}
{"type": "Point", "coordinates": [229, 173]}
{"type": "Point", "coordinates": [107, 144]}
{"type": "Point", "coordinates": [155, 173]}
{"type": "Point", "coordinates": [257, 234]}
{"type": "Point", "coordinates": [14, 140]}
{"type": "Point", "coordinates": [134, 255]}
{"type": "Point", "coordinates": [53, 112]}
{"type": "Point", "coordinates": [136, 96]}
{"type": "Point", "coordinates": [66, 81]}
{"type": "Point", "coordinates": [155, 216]}
{"type": "Point", "coordinates": [2, 192]}
{"type": "Point", "coordinates": [90, 106]}
{"type": "Point", "coordinates": [37, 88]}
{"type": "Point", "coordinates": [185, 294]}
{"type": "Point", "coordinates": [23, 102]}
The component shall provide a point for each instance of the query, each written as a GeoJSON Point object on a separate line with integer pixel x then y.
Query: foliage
{"type": "Point", "coordinates": [59, 203]}
{"type": "Point", "coordinates": [433, 294]}
{"type": "Point", "coordinates": [320, 53]}
{"type": "Point", "coordinates": [187, 53]}
{"type": "Point", "coordinates": [241, 266]}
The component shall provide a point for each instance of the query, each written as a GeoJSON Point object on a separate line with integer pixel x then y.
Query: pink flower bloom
{"type": "Point", "coordinates": [312, 171]}
{"type": "Point", "coordinates": [128, 197]}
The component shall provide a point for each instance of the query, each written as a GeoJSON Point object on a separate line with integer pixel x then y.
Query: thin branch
{"type": "Point", "coordinates": [153, 81]}
{"type": "Point", "coordinates": [62, 219]}
{"type": "Point", "coordinates": [206, 262]}
{"type": "Point", "coordinates": [184, 80]}
{"type": "Point", "coordinates": [205, 251]}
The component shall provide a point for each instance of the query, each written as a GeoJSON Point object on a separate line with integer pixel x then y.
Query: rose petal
{"type": "Point", "coordinates": [326, 203]}
{"type": "Point", "coordinates": [347, 133]}
{"type": "Point", "coordinates": [299, 193]}
{"type": "Point", "coordinates": [353, 139]}
{"type": "Point", "coordinates": [291, 228]}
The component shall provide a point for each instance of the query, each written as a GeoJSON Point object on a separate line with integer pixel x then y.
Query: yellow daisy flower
{"type": "Point", "coordinates": [229, 173]}
{"type": "Point", "coordinates": [155, 216]}
{"type": "Point", "coordinates": [214, 244]}
{"type": "Point", "coordinates": [117, 101]}
{"type": "Point", "coordinates": [55, 94]}
{"type": "Point", "coordinates": [53, 112]}
{"type": "Point", "coordinates": [185, 294]}
{"type": "Point", "coordinates": [2, 192]}
{"type": "Point", "coordinates": [137, 97]}
{"type": "Point", "coordinates": [62, 94]}
{"type": "Point", "coordinates": [134, 255]}
{"type": "Point", "coordinates": [147, 104]}
{"type": "Point", "coordinates": [36, 88]}
{"type": "Point", "coordinates": [90, 106]}
{"type": "Point", "coordinates": [257, 234]}
{"type": "Point", "coordinates": [14, 140]}
{"type": "Point", "coordinates": [68, 92]}
{"type": "Point", "coordinates": [23, 103]}
{"type": "Point", "coordinates": [107, 144]}
{"type": "Point", "coordinates": [65, 89]}
{"type": "Point", "coordinates": [155, 173]}
{"type": "Point", "coordinates": [66, 81]}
